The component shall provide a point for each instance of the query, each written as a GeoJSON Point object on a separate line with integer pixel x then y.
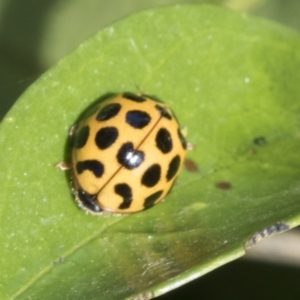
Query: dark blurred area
{"type": "Point", "coordinates": [22, 26]}
{"type": "Point", "coordinates": [242, 280]}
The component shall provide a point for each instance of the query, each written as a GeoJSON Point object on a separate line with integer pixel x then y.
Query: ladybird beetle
{"type": "Point", "coordinates": [126, 153]}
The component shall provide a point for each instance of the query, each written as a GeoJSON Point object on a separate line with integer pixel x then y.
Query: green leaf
{"type": "Point", "coordinates": [232, 80]}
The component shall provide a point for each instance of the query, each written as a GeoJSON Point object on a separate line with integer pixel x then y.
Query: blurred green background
{"type": "Point", "coordinates": [36, 34]}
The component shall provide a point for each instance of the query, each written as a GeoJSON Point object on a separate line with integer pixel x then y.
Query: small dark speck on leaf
{"type": "Point", "coordinates": [223, 185]}
{"type": "Point", "coordinates": [190, 165]}
{"type": "Point", "coordinates": [260, 141]}
{"type": "Point", "coordinates": [60, 260]}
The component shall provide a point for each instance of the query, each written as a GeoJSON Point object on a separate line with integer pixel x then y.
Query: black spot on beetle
{"type": "Point", "coordinates": [95, 166]}
{"type": "Point", "coordinates": [163, 112]}
{"type": "Point", "coordinates": [106, 136]}
{"type": "Point", "coordinates": [124, 190]}
{"type": "Point", "coordinates": [81, 137]}
{"type": "Point", "coordinates": [88, 201]}
{"type": "Point", "coordinates": [128, 157]}
{"type": "Point", "coordinates": [133, 97]}
{"type": "Point", "coordinates": [137, 118]}
{"type": "Point", "coordinates": [182, 139]}
{"type": "Point", "coordinates": [151, 176]}
{"type": "Point", "coordinates": [164, 140]}
{"type": "Point", "coordinates": [150, 200]}
{"type": "Point", "coordinates": [108, 112]}
{"type": "Point", "coordinates": [173, 167]}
